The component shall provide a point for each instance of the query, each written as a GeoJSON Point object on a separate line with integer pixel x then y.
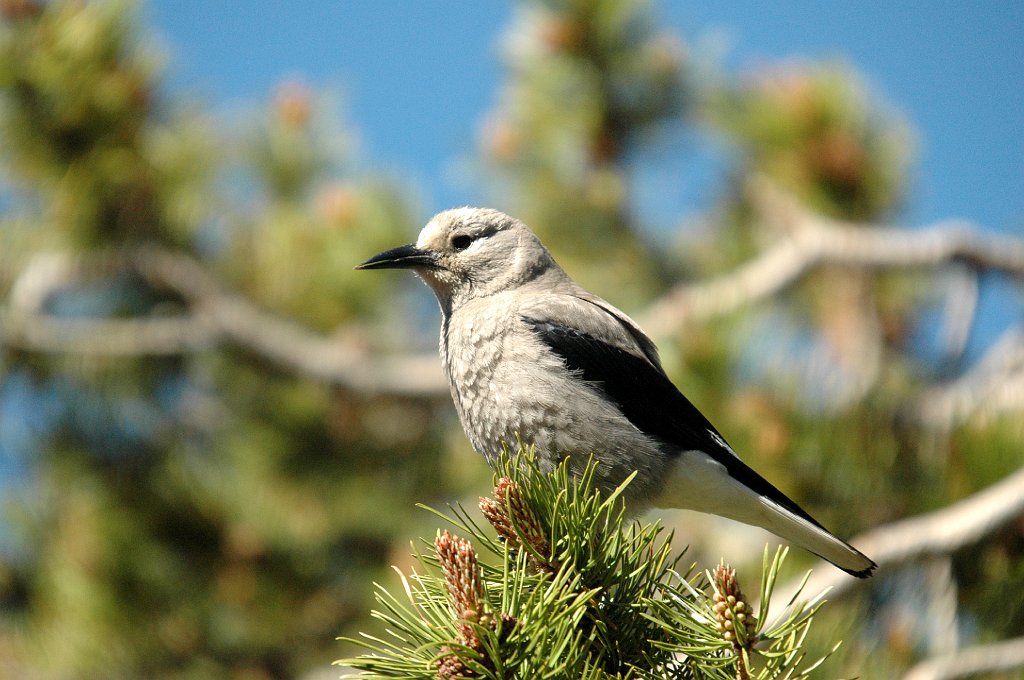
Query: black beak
{"type": "Point", "coordinates": [402, 257]}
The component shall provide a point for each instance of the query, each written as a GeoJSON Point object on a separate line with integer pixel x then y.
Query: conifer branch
{"type": "Point", "coordinates": [994, 385]}
{"type": "Point", "coordinates": [809, 241]}
{"type": "Point", "coordinates": [573, 591]}
{"type": "Point", "coordinates": [997, 657]}
{"type": "Point", "coordinates": [212, 315]}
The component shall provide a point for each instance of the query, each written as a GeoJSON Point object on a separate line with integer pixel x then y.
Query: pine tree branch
{"type": "Point", "coordinates": [214, 315]}
{"type": "Point", "coordinates": [218, 315]}
{"type": "Point", "coordinates": [941, 532]}
{"type": "Point", "coordinates": [288, 343]}
{"type": "Point", "coordinates": [994, 385]}
{"type": "Point", "coordinates": [996, 657]}
{"type": "Point", "coordinates": [570, 587]}
{"type": "Point", "coordinates": [107, 337]}
{"type": "Point", "coordinates": [812, 241]}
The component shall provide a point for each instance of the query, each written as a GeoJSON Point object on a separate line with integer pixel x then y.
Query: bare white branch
{"type": "Point", "coordinates": [215, 315]}
{"type": "Point", "coordinates": [288, 343]}
{"type": "Point", "coordinates": [962, 295]}
{"type": "Point", "coordinates": [995, 385]}
{"type": "Point", "coordinates": [158, 336]}
{"type": "Point", "coordinates": [1007, 655]}
{"type": "Point", "coordinates": [812, 241]}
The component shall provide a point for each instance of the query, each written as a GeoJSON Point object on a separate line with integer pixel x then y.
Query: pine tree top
{"type": "Point", "coordinates": [561, 585]}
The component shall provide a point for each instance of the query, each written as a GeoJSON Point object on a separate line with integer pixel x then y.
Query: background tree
{"type": "Point", "coordinates": [187, 508]}
{"type": "Point", "coordinates": [216, 440]}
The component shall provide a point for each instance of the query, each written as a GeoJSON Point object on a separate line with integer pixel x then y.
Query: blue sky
{"type": "Point", "coordinates": [416, 77]}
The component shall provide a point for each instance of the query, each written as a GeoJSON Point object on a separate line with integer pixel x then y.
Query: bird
{"type": "Point", "coordinates": [533, 358]}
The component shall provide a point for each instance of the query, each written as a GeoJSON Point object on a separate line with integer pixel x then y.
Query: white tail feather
{"type": "Point", "coordinates": [698, 482]}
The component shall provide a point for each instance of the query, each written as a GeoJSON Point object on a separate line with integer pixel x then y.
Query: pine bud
{"type": "Point", "coordinates": [515, 521]}
{"type": "Point", "coordinates": [461, 574]}
{"type": "Point", "coordinates": [731, 609]}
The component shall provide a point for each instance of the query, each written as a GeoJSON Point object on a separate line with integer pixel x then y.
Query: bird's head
{"type": "Point", "coordinates": [468, 253]}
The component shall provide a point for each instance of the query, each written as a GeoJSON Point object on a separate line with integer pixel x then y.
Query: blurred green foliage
{"type": "Point", "coordinates": [815, 130]}
{"type": "Point", "coordinates": [212, 514]}
{"type": "Point", "coordinates": [590, 85]}
{"type": "Point", "coordinates": [208, 515]}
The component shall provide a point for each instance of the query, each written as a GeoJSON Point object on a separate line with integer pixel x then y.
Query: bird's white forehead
{"type": "Point", "coordinates": [432, 233]}
{"type": "Point", "coordinates": [441, 224]}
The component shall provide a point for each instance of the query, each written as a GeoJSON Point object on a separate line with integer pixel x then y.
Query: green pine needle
{"type": "Point", "coordinates": [567, 588]}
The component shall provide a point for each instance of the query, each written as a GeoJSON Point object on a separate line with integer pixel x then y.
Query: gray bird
{"type": "Point", "coordinates": [533, 357]}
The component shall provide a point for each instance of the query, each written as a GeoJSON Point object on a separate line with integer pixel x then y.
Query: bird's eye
{"type": "Point", "coordinates": [461, 242]}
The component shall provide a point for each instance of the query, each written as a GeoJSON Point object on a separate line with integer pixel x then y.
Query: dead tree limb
{"type": "Point", "coordinates": [996, 657]}
{"type": "Point", "coordinates": [812, 241]}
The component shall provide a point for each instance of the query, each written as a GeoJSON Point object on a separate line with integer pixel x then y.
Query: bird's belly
{"type": "Point", "coordinates": [498, 413]}
{"type": "Point", "coordinates": [530, 403]}
{"type": "Point", "coordinates": [510, 389]}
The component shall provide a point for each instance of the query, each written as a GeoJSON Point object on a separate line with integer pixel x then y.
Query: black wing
{"type": "Point", "coordinates": [650, 401]}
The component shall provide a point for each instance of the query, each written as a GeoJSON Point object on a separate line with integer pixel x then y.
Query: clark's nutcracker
{"type": "Point", "coordinates": [533, 357]}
